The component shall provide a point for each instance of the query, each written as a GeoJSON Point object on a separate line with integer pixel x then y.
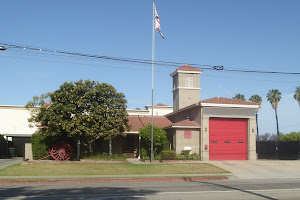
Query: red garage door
{"type": "Point", "coordinates": [227, 139]}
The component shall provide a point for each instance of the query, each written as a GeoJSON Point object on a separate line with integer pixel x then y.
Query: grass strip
{"type": "Point", "coordinates": [60, 169]}
{"type": "Point", "coordinates": [112, 178]}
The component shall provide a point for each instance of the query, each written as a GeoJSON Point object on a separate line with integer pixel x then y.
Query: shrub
{"type": "Point", "coordinates": [39, 147]}
{"type": "Point", "coordinates": [168, 155]}
{"type": "Point", "coordinates": [185, 152]}
{"type": "Point", "coordinates": [166, 146]}
{"type": "Point", "coordinates": [193, 156]}
{"type": "Point", "coordinates": [180, 157]}
{"type": "Point", "coordinates": [41, 143]}
{"type": "Point", "coordinates": [3, 146]}
{"type": "Point", "coordinates": [160, 140]}
{"type": "Point", "coordinates": [157, 157]}
{"type": "Point", "coordinates": [144, 153]}
{"type": "Point", "coordinates": [107, 157]}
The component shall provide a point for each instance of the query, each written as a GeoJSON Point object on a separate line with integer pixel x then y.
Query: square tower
{"type": "Point", "coordinates": [186, 86]}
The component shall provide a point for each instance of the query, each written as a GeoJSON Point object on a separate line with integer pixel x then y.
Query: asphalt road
{"type": "Point", "coordinates": [229, 189]}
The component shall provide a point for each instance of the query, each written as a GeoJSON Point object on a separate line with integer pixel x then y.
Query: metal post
{"type": "Point", "coordinates": [153, 42]}
{"type": "Point", "coordinates": [78, 149]}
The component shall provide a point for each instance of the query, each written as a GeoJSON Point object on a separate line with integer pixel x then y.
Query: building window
{"type": "Point", "coordinates": [189, 82]}
{"type": "Point", "coordinates": [174, 83]}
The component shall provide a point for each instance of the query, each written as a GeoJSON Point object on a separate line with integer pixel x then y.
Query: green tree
{"type": "Point", "coordinates": [84, 110]}
{"type": "Point", "coordinates": [293, 136]}
{"type": "Point", "coordinates": [297, 94]}
{"type": "Point", "coordinates": [274, 97]}
{"type": "Point", "coordinates": [159, 139]}
{"type": "Point", "coordinates": [239, 97]}
{"type": "Point", "coordinates": [256, 99]}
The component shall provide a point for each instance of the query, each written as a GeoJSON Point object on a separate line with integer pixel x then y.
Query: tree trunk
{"type": "Point", "coordinates": [110, 147]}
{"type": "Point", "coordinates": [277, 125]}
{"type": "Point", "coordinates": [89, 144]}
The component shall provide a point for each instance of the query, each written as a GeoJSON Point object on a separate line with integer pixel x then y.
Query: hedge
{"type": "Point", "coordinates": [168, 155]}
{"type": "Point", "coordinates": [39, 146]}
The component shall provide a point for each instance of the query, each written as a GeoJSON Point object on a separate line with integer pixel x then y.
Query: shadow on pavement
{"type": "Point", "coordinates": [76, 193]}
{"type": "Point", "coordinates": [232, 188]}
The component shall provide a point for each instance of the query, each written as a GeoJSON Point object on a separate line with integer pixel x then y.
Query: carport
{"type": "Point", "coordinates": [16, 143]}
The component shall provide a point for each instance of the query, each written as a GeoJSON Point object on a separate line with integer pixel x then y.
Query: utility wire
{"type": "Point", "coordinates": [144, 61]}
{"type": "Point", "coordinates": [15, 55]}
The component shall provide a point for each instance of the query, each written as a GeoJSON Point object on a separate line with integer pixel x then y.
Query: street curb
{"type": "Point", "coordinates": [115, 180]}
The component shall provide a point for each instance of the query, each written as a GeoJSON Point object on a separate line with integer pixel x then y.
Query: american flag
{"type": "Point", "coordinates": [157, 23]}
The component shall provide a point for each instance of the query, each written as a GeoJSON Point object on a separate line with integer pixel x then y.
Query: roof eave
{"type": "Point", "coordinates": [182, 109]}
{"type": "Point", "coordinates": [228, 105]}
{"type": "Point", "coordinates": [189, 127]}
{"type": "Point", "coordinates": [183, 71]}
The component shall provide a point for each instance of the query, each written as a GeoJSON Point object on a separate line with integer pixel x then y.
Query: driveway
{"type": "Point", "coordinates": [261, 169]}
{"type": "Point", "coordinates": [10, 161]}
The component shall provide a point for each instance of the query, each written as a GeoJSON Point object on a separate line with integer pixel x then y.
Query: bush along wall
{"type": "Point", "coordinates": [41, 144]}
{"type": "Point", "coordinates": [160, 142]}
{"type": "Point", "coordinates": [168, 155]}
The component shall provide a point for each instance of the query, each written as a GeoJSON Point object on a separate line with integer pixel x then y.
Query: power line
{"type": "Point", "coordinates": [128, 68]}
{"type": "Point", "coordinates": [132, 60]}
{"type": "Point", "coordinates": [149, 62]}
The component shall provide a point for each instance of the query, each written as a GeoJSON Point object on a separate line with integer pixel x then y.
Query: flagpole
{"type": "Point", "coordinates": [153, 47]}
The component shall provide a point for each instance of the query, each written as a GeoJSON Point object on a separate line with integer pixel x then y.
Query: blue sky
{"type": "Point", "coordinates": [258, 35]}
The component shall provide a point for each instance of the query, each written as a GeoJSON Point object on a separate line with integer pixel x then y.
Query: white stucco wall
{"type": "Point", "coordinates": [14, 120]}
{"type": "Point", "coordinates": [157, 111]}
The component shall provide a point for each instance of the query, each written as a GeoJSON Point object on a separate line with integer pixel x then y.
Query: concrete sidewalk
{"type": "Point", "coordinates": [261, 169]}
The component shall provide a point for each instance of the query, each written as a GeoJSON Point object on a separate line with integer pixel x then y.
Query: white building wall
{"type": "Point", "coordinates": [14, 121]}
{"type": "Point", "coordinates": [157, 111]}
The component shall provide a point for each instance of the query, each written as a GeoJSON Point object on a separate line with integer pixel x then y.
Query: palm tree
{"type": "Point", "coordinates": [239, 97]}
{"type": "Point", "coordinates": [297, 94]}
{"type": "Point", "coordinates": [274, 97]}
{"type": "Point", "coordinates": [257, 99]}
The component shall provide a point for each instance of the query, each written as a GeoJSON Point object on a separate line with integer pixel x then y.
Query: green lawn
{"type": "Point", "coordinates": [55, 169]}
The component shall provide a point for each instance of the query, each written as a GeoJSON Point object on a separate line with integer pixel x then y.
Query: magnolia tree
{"type": "Point", "coordinates": [84, 110]}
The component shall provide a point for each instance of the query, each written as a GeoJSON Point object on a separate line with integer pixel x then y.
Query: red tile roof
{"type": "Point", "coordinates": [160, 104]}
{"type": "Point", "coordinates": [185, 123]}
{"type": "Point", "coordinates": [222, 100]}
{"type": "Point", "coordinates": [187, 67]}
{"type": "Point", "coordinates": [215, 100]}
{"type": "Point", "coordinates": [139, 121]}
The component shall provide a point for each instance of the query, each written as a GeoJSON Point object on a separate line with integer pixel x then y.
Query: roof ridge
{"type": "Point", "coordinates": [228, 99]}
{"type": "Point", "coordinates": [145, 116]}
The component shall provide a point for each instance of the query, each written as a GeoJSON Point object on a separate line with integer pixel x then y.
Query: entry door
{"type": "Point", "coordinates": [228, 139]}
